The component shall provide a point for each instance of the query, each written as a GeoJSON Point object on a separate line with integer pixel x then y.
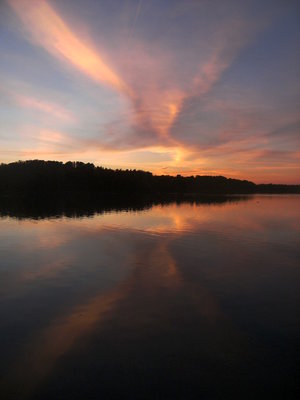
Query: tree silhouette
{"type": "Point", "coordinates": [37, 177]}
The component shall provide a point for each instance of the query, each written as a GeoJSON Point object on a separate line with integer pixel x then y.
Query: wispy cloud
{"type": "Point", "coordinates": [156, 97]}
{"type": "Point", "coordinates": [173, 88]}
{"type": "Point", "coordinates": [50, 31]}
{"type": "Point", "coordinates": [43, 106]}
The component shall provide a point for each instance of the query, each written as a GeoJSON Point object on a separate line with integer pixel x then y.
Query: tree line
{"type": "Point", "coordinates": [50, 177]}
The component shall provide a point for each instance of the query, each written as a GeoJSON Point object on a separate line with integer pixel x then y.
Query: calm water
{"type": "Point", "coordinates": [179, 301]}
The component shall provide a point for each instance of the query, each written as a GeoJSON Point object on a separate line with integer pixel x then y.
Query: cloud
{"type": "Point", "coordinates": [47, 107]}
{"type": "Point", "coordinates": [169, 87]}
{"type": "Point", "coordinates": [48, 30]}
{"type": "Point", "coordinates": [156, 94]}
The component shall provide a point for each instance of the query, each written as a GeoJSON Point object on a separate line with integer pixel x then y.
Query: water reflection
{"type": "Point", "coordinates": [186, 300]}
{"type": "Point", "coordinates": [82, 205]}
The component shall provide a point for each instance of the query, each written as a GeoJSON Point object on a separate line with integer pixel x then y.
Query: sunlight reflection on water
{"type": "Point", "coordinates": [150, 303]}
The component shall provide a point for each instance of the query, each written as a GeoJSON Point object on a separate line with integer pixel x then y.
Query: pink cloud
{"type": "Point", "coordinates": [47, 107]}
{"type": "Point", "coordinates": [49, 30]}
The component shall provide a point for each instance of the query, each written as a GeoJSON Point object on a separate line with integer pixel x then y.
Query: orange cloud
{"type": "Point", "coordinates": [160, 95]}
{"type": "Point", "coordinates": [160, 109]}
{"type": "Point", "coordinates": [156, 106]}
{"type": "Point", "coordinates": [50, 31]}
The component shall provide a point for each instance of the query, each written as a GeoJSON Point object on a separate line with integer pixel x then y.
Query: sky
{"type": "Point", "coordinates": [190, 87]}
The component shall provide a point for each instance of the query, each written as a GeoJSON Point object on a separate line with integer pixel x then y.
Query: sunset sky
{"type": "Point", "coordinates": [185, 87]}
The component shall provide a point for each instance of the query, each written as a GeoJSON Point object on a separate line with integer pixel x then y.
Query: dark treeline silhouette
{"type": "Point", "coordinates": [39, 177]}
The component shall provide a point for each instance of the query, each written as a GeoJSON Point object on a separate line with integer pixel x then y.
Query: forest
{"type": "Point", "coordinates": [53, 177]}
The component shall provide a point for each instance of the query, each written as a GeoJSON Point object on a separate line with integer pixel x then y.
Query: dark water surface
{"type": "Point", "coordinates": [177, 301]}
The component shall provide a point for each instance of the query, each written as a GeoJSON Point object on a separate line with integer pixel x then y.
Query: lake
{"type": "Point", "coordinates": [184, 300]}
